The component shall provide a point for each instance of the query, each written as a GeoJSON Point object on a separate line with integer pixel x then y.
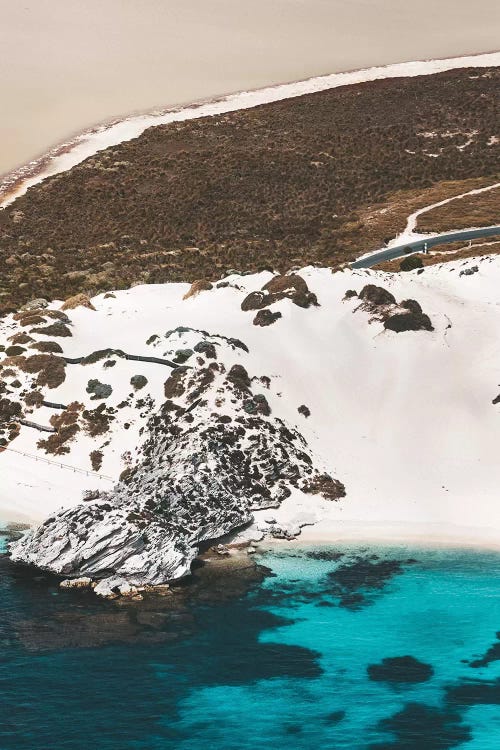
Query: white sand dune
{"type": "Point", "coordinates": [405, 420]}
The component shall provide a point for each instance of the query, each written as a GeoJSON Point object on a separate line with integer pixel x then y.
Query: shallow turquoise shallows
{"type": "Point", "coordinates": [349, 648]}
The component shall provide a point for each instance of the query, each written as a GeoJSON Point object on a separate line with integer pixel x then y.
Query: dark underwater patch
{"type": "Point", "coordinates": [491, 655]}
{"type": "Point", "coordinates": [325, 555]}
{"type": "Point", "coordinates": [400, 670]}
{"type": "Point", "coordinates": [335, 717]}
{"type": "Point", "coordinates": [421, 727]}
{"type": "Point", "coordinates": [357, 583]}
{"type": "Point", "coordinates": [474, 693]}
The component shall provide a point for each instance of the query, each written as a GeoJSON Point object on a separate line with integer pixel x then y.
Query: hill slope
{"type": "Point", "coordinates": [261, 410]}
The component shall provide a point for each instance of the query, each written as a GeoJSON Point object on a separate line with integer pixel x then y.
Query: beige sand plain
{"type": "Point", "coordinates": [66, 65]}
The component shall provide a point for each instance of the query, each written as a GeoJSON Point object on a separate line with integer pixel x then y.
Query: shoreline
{"type": "Point", "coordinates": [87, 143]}
{"type": "Point", "coordinates": [383, 534]}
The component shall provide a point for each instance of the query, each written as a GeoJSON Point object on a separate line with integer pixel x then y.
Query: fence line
{"type": "Point", "coordinates": [36, 426]}
{"type": "Point", "coordinates": [74, 469]}
{"type": "Point", "coordinates": [119, 353]}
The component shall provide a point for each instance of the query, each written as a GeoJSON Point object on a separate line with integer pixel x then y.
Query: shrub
{"type": "Point", "coordinates": [55, 329]}
{"type": "Point", "coordinates": [198, 286]}
{"type": "Point", "coordinates": [14, 351]}
{"type": "Point", "coordinates": [411, 263]}
{"type": "Point", "coordinates": [98, 390]}
{"type": "Point", "coordinates": [96, 460]}
{"type": "Point", "coordinates": [48, 347]}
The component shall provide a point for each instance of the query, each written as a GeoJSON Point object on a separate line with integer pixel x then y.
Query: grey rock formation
{"type": "Point", "coordinates": [204, 467]}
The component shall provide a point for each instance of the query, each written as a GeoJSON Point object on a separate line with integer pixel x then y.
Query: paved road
{"type": "Point", "coordinates": [419, 245]}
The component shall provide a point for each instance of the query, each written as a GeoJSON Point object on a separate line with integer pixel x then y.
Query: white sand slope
{"type": "Point", "coordinates": [404, 420]}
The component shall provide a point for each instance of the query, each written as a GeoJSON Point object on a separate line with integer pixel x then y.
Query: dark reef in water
{"type": "Point", "coordinates": [421, 727]}
{"type": "Point", "coordinates": [400, 670]}
{"type": "Point", "coordinates": [491, 655]}
{"type": "Point", "coordinates": [357, 583]}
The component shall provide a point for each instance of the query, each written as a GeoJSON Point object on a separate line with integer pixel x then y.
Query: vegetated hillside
{"type": "Point", "coordinates": [278, 185]}
{"type": "Point", "coordinates": [479, 210]}
{"type": "Point", "coordinates": [259, 397]}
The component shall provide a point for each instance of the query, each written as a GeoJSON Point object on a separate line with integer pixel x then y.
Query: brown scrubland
{"type": "Point", "coordinates": [470, 211]}
{"type": "Point", "coordinates": [316, 179]}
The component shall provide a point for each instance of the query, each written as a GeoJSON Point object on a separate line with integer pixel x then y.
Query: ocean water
{"type": "Point", "coordinates": [295, 662]}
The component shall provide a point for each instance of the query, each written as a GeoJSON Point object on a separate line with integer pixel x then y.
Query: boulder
{"type": "Point", "coordinates": [266, 318]}
{"type": "Point", "coordinates": [412, 305]}
{"type": "Point", "coordinates": [377, 295]}
{"type": "Point", "coordinates": [410, 321]}
{"type": "Point", "coordinates": [287, 283]}
{"type": "Point", "coordinates": [256, 301]}
{"type": "Point", "coordinates": [84, 582]}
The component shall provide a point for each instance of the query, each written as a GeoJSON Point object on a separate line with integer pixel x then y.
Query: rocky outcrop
{"type": "Point", "coordinates": [398, 317]}
{"type": "Point", "coordinates": [209, 460]}
{"type": "Point", "coordinates": [289, 286]}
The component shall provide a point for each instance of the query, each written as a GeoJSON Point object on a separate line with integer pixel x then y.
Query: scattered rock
{"type": "Point", "coordinates": [412, 305]}
{"type": "Point", "coordinates": [206, 348]}
{"type": "Point", "coordinates": [350, 294]}
{"type": "Point", "coordinates": [58, 328]}
{"type": "Point", "coordinates": [257, 405]}
{"type": "Point", "coordinates": [239, 377]}
{"type": "Point", "coordinates": [469, 271]}
{"type": "Point", "coordinates": [76, 583]}
{"type": "Point", "coordinates": [409, 321]}
{"type": "Point", "coordinates": [303, 409]}
{"type": "Point", "coordinates": [256, 301]}
{"type": "Point", "coordinates": [138, 382]}
{"type": "Point", "coordinates": [182, 355]}
{"type": "Point", "coordinates": [90, 495]}
{"type": "Point", "coordinates": [287, 283]}
{"type": "Point", "coordinates": [266, 318]}
{"type": "Point", "coordinates": [377, 295]}
{"type": "Point", "coordinates": [35, 304]}
{"type": "Point", "coordinates": [114, 586]}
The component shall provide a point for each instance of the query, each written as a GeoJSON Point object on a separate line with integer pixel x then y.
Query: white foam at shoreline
{"type": "Point", "coordinates": [68, 155]}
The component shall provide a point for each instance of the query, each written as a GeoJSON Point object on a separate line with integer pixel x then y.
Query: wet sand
{"type": "Point", "coordinates": [68, 64]}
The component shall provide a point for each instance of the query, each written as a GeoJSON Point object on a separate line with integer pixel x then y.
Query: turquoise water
{"type": "Point", "coordinates": [295, 663]}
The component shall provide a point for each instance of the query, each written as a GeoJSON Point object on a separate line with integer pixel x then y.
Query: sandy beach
{"type": "Point", "coordinates": [67, 66]}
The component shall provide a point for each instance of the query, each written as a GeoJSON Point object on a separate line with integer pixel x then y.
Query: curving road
{"type": "Point", "coordinates": [426, 243]}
